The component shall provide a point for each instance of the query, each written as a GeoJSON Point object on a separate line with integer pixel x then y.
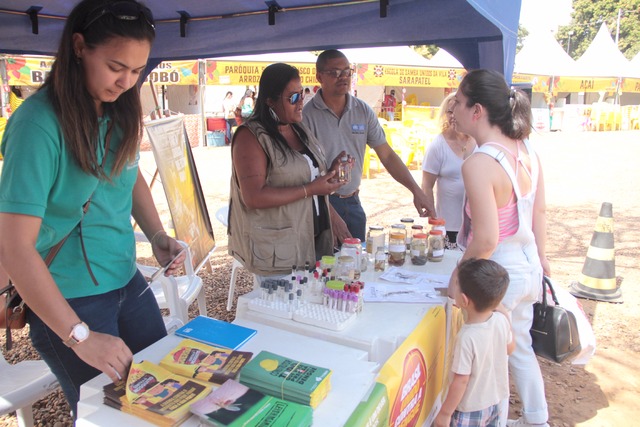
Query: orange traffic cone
{"type": "Point", "coordinates": [598, 278]}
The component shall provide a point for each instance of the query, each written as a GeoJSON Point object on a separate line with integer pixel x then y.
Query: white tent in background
{"type": "Point", "coordinates": [396, 55]}
{"type": "Point", "coordinates": [541, 54]}
{"type": "Point", "coordinates": [603, 59]}
{"type": "Point", "coordinates": [444, 59]}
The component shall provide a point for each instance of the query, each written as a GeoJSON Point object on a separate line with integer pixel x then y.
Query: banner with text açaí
{"type": "Point", "coordinates": [248, 73]}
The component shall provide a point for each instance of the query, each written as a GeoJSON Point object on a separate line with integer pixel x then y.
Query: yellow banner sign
{"type": "Point", "coordinates": [395, 75]}
{"type": "Point", "coordinates": [248, 73]}
{"type": "Point", "coordinates": [631, 86]}
{"type": "Point", "coordinates": [175, 73]}
{"type": "Point", "coordinates": [23, 71]}
{"type": "Point", "coordinates": [540, 84]}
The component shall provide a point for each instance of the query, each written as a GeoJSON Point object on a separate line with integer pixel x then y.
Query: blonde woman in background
{"type": "Point", "coordinates": [442, 165]}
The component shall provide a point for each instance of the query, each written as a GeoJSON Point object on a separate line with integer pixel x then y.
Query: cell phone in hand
{"type": "Point", "coordinates": [161, 270]}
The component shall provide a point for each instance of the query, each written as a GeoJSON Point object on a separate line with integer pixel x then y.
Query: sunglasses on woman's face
{"type": "Point", "coordinates": [296, 97]}
{"type": "Point", "coordinates": [122, 10]}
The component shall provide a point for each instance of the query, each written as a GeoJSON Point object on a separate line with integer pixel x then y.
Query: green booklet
{"type": "Point", "coordinates": [234, 405]}
{"type": "Point", "coordinates": [287, 378]}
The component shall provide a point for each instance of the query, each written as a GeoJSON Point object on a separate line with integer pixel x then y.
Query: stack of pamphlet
{"type": "Point", "coordinates": [235, 405]}
{"type": "Point", "coordinates": [287, 379]}
{"type": "Point", "coordinates": [162, 394]}
{"type": "Point", "coordinates": [155, 394]}
{"type": "Point", "coordinates": [205, 363]}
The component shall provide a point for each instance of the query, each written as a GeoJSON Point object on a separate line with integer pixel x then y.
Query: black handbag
{"type": "Point", "coordinates": [554, 331]}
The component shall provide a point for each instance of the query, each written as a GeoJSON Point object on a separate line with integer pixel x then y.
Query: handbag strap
{"type": "Point", "coordinates": [547, 282]}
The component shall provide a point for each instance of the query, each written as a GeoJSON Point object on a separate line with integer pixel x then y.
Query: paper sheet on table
{"type": "Point", "coordinates": [400, 275]}
{"type": "Point", "coordinates": [400, 285]}
{"type": "Point", "coordinates": [399, 292]}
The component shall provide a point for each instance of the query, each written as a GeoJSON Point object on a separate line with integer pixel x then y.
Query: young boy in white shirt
{"type": "Point", "coordinates": [480, 360]}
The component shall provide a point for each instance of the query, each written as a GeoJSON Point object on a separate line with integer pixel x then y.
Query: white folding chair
{"type": "Point", "coordinates": [22, 385]}
{"type": "Point", "coordinates": [222, 215]}
{"type": "Point", "coordinates": [176, 293]}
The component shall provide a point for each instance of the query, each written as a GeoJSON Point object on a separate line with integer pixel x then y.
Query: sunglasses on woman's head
{"type": "Point", "coordinates": [122, 10]}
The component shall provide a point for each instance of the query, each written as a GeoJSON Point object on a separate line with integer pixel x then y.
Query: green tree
{"type": "Point", "coordinates": [587, 18]}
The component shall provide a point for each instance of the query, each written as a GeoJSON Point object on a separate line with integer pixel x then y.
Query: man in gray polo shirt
{"type": "Point", "coordinates": [342, 122]}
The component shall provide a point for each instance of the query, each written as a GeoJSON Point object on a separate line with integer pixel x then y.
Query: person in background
{"type": "Point", "coordinates": [479, 370]}
{"type": "Point", "coordinates": [229, 112]}
{"type": "Point", "coordinates": [279, 213]}
{"type": "Point", "coordinates": [307, 96]}
{"type": "Point", "coordinates": [389, 103]}
{"type": "Point", "coordinates": [505, 214]}
{"type": "Point", "coordinates": [442, 166]}
{"type": "Point", "coordinates": [89, 311]}
{"type": "Point", "coordinates": [247, 104]}
{"type": "Point", "coordinates": [343, 123]}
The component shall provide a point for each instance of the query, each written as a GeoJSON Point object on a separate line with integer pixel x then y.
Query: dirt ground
{"type": "Point", "coordinates": [582, 170]}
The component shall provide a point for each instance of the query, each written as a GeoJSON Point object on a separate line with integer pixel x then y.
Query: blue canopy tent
{"type": "Point", "coordinates": [479, 33]}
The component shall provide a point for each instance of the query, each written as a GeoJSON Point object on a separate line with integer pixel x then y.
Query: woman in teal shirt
{"type": "Point", "coordinates": [88, 311]}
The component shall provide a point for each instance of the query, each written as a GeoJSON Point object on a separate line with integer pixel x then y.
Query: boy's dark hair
{"type": "Point", "coordinates": [483, 281]}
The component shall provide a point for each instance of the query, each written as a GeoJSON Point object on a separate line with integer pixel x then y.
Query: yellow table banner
{"type": "Point", "coordinates": [175, 73]}
{"type": "Point", "coordinates": [23, 71]}
{"type": "Point", "coordinates": [248, 73]}
{"type": "Point", "coordinates": [397, 75]}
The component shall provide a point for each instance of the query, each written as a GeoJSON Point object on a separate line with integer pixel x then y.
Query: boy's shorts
{"type": "Point", "coordinates": [489, 417]}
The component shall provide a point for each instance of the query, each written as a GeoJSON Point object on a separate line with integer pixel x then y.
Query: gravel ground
{"type": "Point", "coordinates": [582, 170]}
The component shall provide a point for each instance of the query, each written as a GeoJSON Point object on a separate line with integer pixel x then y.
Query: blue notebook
{"type": "Point", "coordinates": [216, 332]}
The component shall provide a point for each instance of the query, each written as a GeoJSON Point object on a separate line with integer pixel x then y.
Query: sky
{"type": "Point", "coordinates": [544, 15]}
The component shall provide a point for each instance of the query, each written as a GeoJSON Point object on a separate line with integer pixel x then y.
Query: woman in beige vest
{"type": "Point", "coordinates": [279, 214]}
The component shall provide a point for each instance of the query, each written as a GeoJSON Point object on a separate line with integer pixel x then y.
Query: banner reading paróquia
{"type": "Point", "coordinates": [248, 73]}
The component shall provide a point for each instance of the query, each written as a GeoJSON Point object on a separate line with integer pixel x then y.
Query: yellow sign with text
{"type": "Point", "coordinates": [22, 71]}
{"type": "Point", "coordinates": [414, 373]}
{"type": "Point", "coordinates": [396, 75]}
{"type": "Point", "coordinates": [248, 73]}
{"type": "Point", "coordinates": [540, 84]}
{"type": "Point", "coordinates": [175, 73]}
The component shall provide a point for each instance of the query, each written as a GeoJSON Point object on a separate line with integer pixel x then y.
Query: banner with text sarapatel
{"type": "Point", "coordinates": [23, 71]}
{"type": "Point", "coordinates": [248, 73]}
{"type": "Point", "coordinates": [175, 73]}
{"type": "Point", "coordinates": [398, 75]}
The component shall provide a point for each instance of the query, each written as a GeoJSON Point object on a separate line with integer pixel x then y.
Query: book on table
{"type": "Point", "coordinates": [235, 405]}
{"type": "Point", "coordinates": [155, 394]}
{"type": "Point", "coordinates": [287, 378]}
{"type": "Point", "coordinates": [205, 363]}
{"type": "Point", "coordinates": [216, 332]}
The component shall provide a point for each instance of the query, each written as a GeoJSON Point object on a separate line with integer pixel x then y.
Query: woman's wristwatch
{"type": "Point", "coordinates": [79, 333]}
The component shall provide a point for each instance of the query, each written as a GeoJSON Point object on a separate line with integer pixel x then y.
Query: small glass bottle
{"type": "Point", "coordinates": [375, 239]}
{"type": "Point", "coordinates": [419, 249]}
{"type": "Point", "coordinates": [352, 246]}
{"type": "Point", "coordinates": [380, 262]}
{"type": "Point", "coordinates": [408, 223]}
{"type": "Point", "coordinates": [346, 268]}
{"type": "Point", "coordinates": [344, 169]}
{"type": "Point", "coordinates": [397, 245]}
{"type": "Point", "coordinates": [435, 253]}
